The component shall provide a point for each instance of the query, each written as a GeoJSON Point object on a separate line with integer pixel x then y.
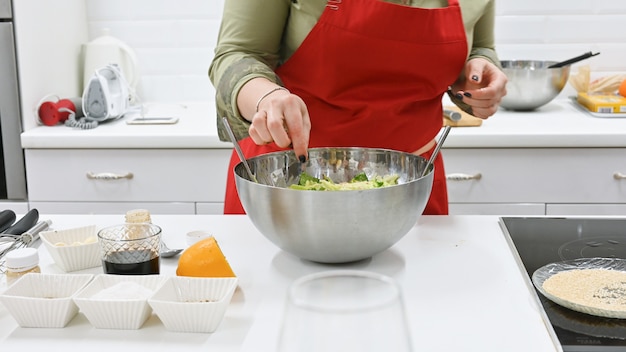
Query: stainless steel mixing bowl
{"type": "Point", "coordinates": [334, 226]}
{"type": "Point", "coordinates": [531, 84]}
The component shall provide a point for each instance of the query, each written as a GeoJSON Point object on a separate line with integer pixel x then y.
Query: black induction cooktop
{"type": "Point", "coordinates": [542, 240]}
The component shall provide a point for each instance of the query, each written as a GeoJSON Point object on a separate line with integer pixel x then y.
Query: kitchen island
{"type": "Point", "coordinates": [463, 290]}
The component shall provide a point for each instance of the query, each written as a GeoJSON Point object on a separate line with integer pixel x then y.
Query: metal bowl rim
{"type": "Point", "coordinates": [371, 150]}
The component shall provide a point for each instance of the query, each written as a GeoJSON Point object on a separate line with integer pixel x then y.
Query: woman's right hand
{"type": "Point", "coordinates": [282, 118]}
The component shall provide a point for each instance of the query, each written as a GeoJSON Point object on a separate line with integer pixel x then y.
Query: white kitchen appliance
{"type": "Point", "coordinates": [107, 96]}
{"type": "Point", "coordinates": [105, 50]}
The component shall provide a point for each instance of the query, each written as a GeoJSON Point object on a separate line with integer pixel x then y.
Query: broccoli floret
{"type": "Point", "coordinates": [358, 182]}
{"type": "Point", "coordinates": [361, 177]}
{"type": "Point", "coordinates": [306, 178]}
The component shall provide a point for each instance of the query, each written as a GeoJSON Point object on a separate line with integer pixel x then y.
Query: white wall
{"type": "Point", "coordinates": [174, 39]}
{"type": "Point", "coordinates": [48, 37]}
{"type": "Point", "coordinates": [561, 29]}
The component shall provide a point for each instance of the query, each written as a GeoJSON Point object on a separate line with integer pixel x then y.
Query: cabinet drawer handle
{"type": "Point", "coordinates": [619, 176]}
{"type": "Point", "coordinates": [109, 176]}
{"type": "Point", "coordinates": [463, 177]}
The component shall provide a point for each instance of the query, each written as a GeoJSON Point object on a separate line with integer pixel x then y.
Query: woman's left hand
{"type": "Point", "coordinates": [482, 87]}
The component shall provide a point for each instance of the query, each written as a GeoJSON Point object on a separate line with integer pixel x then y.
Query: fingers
{"type": "Point", "coordinates": [285, 122]}
{"type": "Point", "coordinates": [475, 70]}
{"type": "Point", "coordinates": [259, 132]}
{"type": "Point", "coordinates": [485, 86]}
{"type": "Point", "coordinates": [299, 128]}
{"type": "Point", "coordinates": [268, 127]}
{"type": "Point", "coordinates": [484, 101]}
{"type": "Point", "coordinates": [485, 112]}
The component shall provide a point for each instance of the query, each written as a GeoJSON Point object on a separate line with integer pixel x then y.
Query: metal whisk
{"type": "Point", "coordinates": [26, 239]}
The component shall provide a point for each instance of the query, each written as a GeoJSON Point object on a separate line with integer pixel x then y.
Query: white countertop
{"type": "Point", "coordinates": [196, 128]}
{"type": "Point", "coordinates": [463, 291]}
{"type": "Point", "coordinates": [558, 124]}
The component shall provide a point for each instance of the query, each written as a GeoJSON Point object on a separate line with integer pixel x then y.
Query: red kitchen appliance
{"type": "Point", "coordinates": [52, 110]}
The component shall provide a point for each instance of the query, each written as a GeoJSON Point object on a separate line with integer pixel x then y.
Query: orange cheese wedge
{"type": "Point", "coordinates": [204, 259]}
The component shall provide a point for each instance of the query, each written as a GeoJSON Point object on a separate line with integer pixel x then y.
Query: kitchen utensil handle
{"type": "Point", "coordinates": [573, 60]}
{"type": "Point", "coordinates": [463, 177]}
{"type": "Point", "coordinates": [433, 156]}
{"type": "Point", "coordinates": [452, 115]}
{"type": "Point", "coordinates": [24, 224]}
{"type": "Point", "coordinates": [619, 176]}
{"type": "Point", "coordinates": [242, 157]}
{"type": "Point", "coordinates": [32, 235]}
{"type": "Point", "coordinates": [7, 218]}
{"type": "Point", "coordinates": [109, 176]}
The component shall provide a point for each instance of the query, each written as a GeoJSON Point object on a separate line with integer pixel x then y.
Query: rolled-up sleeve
{"type": "Point", "coordinates": [249, 45]}
{"type": "Point", "coordinates": [483, 41]}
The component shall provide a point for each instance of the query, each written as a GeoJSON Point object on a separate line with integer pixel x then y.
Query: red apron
{"type": "Point", "coordinates": [372, 74]}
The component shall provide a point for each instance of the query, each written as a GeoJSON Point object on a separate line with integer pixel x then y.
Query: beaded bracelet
{"type": "Point", "coordinates": [268, 93]}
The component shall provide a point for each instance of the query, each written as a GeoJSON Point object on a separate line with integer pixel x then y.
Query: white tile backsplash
{"type": "Point", "coordinates": [174, 40]}
{"type": "Point", "coordinates": [558, 7]}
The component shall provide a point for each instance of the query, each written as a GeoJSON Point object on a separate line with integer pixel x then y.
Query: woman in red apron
{"type": "Point", "coordinates": [362, 79]}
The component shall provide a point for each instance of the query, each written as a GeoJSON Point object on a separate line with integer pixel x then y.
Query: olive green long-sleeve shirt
{"type": "Point", "coordinates": [256, 36]}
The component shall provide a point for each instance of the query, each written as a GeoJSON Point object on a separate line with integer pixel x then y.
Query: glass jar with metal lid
{"type": "Point", "coordinates": [20, 262]}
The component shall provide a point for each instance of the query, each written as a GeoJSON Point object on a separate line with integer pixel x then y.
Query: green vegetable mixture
{"type": "Point", "coordinates": [358, 182]}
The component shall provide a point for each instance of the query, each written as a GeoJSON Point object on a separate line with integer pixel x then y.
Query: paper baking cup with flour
{"type": "Point", "coordinates": [595, 286]}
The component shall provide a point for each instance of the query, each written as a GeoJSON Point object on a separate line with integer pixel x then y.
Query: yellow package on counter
{"type": "Point", "coordinates": [602, 103]}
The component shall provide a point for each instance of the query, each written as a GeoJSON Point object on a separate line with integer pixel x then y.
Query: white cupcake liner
{"type": "Point", "coordinates": [79, 249]}
{"type": "Point", "coordinates": [44, 300]}
{"type": "Point", "coordinates": [193, 304]}
{"type": "Point", "coordinates": [117, 313]}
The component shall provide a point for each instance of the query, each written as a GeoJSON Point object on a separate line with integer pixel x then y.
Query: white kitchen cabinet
{"type": "Point", "coordinates": [109, 181]}
{"type": "Point", "coordinates": [523, 180]}
{"type": "Point", "coordinates": [112, 207]}
{"type": "Point", "coordinates": [508, 209]}
{"type": "Point", "coordinates": [17, 207]}
{"type": "Point", "coordinates": [483, 181]}
{"type": "Point", "coordinates": [586, 209]}
{"type": "Point", "coordinates": [210, 208]}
